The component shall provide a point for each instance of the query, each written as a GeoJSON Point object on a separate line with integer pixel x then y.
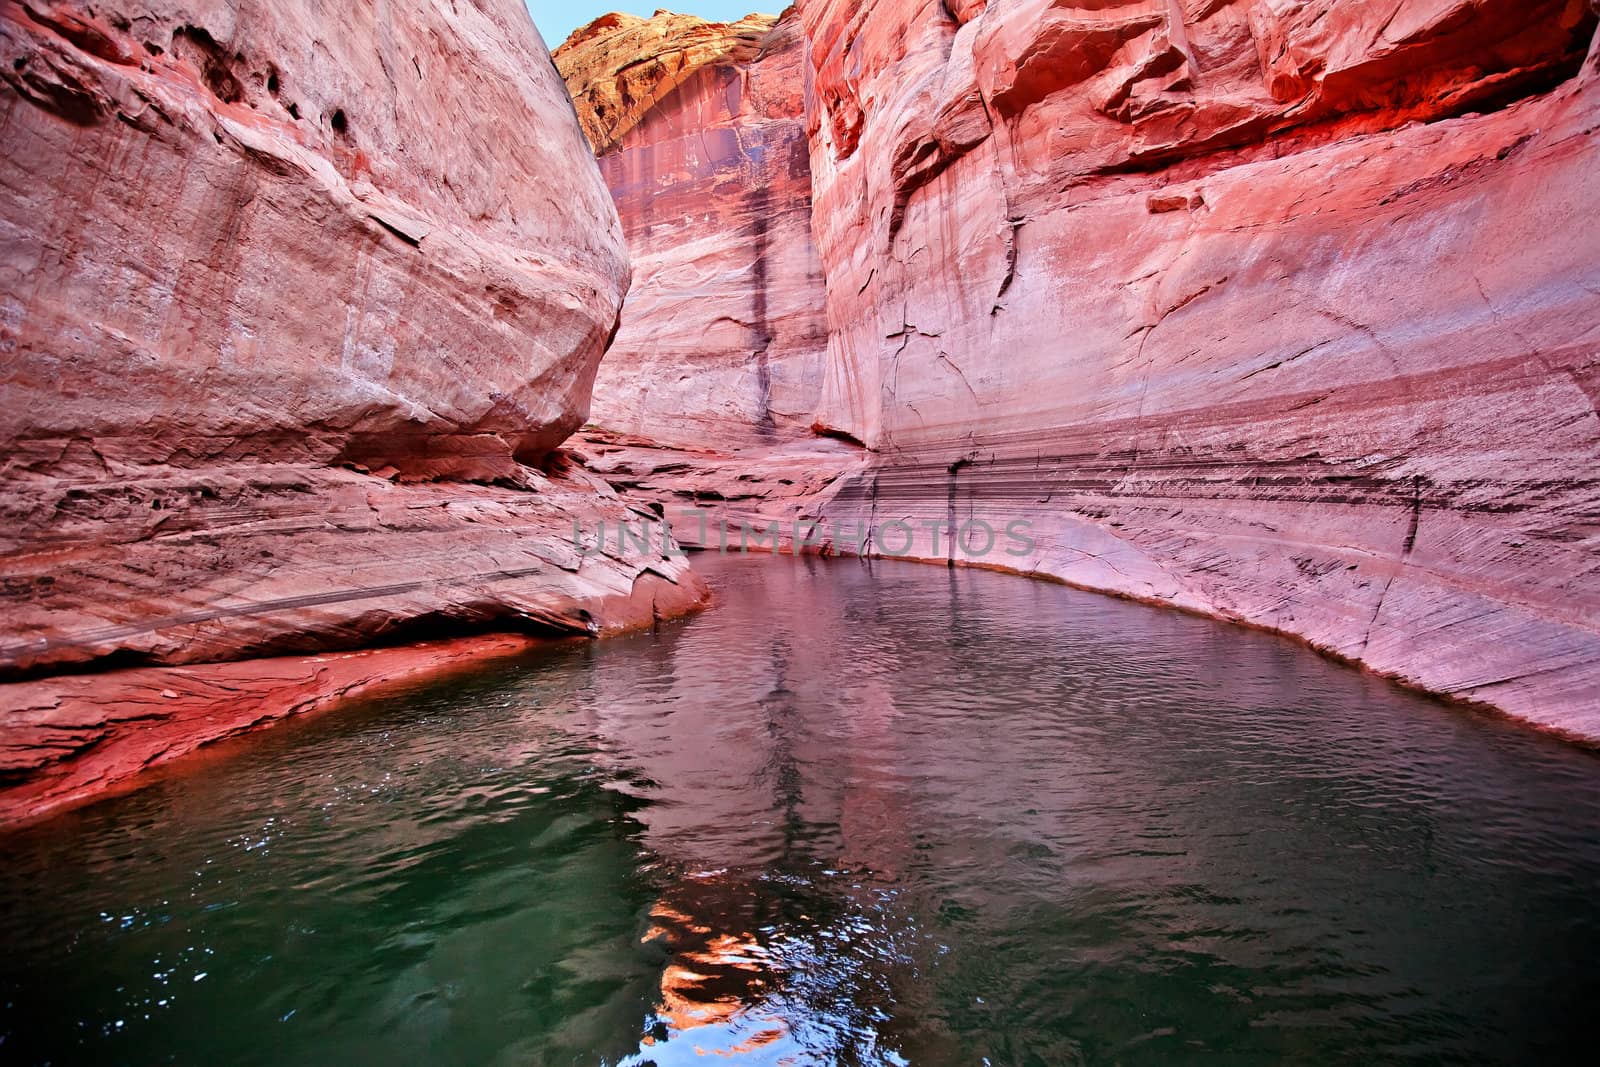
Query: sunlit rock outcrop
{"type": "Point", "coordinates": [701, 136]}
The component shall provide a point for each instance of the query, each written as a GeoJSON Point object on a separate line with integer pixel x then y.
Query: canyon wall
{"type": "Point", "coordinates": [291, 331]}
{"type": "Point", "coordinates": [701, 136]}
{"type": "Point", "coordinates": [1285, 312]}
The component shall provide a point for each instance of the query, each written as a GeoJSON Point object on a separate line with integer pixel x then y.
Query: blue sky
{"type": "Point", "coordinates": [558, 18]}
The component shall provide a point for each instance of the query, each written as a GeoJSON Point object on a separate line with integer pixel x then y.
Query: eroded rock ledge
{"type": "Point", "coordinates": [291, 334]}
{"type": "Point", "coordinates": [72, 738]}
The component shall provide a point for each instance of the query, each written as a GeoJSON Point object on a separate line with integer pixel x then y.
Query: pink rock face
{"type": "Point", "coordinates": [703, 144]}
{"type": "Point", "coordinates": [291, 328]}
{"type": "Point", "coordinates": [1283, 312]}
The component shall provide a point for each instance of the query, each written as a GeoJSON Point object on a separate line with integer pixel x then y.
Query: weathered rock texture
{"type": "Point", "coordinates": [701, 134]}
{"type": "Point", "coordinates": [73, 737]}
{"type": "Point", "coordinates": [290, 330]}
{"type": "Point", "coordinates": [1287, 312]}
{"type": "Point", "coordinates": [275, 291]}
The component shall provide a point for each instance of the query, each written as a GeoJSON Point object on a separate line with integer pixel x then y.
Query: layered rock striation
{"type": "Point", "coordinates": [292, 332]}
{"type": "Point", "coordinates": [701, 135]}
{"type": "Point", "coordinates": [71, 738]}
{"type": "Point", "coordinates": [1280, 312]}
{"type": "Point", "coordinates": [1284, 312]}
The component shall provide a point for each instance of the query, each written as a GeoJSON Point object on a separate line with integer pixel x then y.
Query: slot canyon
{"type": "Point", "coordinates": [614, 471]}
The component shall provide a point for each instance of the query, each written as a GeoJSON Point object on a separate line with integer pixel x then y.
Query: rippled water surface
{"type": "Point", "coordinates": [850, 815]}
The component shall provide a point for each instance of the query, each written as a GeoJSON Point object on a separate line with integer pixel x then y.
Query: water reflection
{"type": "Point", "coordinates": [854, 815]}
{"type": "Point", "coordinates": [1118, 816]}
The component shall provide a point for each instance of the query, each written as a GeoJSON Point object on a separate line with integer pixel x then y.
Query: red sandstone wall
{"type": "Point", "coordinates": [1284, 312]}
{"type": "Point", "coordinates": [702, 141]}
{"type": "Point", "coordinates": [290, 327]}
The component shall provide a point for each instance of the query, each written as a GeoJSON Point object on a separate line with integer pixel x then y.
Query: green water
{"type": "Point", "coordinates": [851, 815]}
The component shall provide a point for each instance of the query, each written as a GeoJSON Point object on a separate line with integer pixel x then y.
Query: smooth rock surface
{"type": "Point", "coordinates": [291, 331]}
{"type": "Point", "coordinates": [702, 140]}
{"type": "Point", "coordinates": [71, 738]}
{"type": "Point", "coordinates": [1283, 312]}
{"type": "Point", "coordinates": [1280, 312]}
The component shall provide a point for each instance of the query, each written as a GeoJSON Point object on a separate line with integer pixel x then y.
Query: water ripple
{"type": "Point", "coordinates": [857, 814]}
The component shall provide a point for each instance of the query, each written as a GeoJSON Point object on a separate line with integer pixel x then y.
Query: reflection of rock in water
{"type": "Point", "coordinates": [775, 777]}
{"type": "Point", "coordinates": [797, 964]}
{"type": "Point", "coordinates": [855, 815]}
{"type": "Point", "coordinates": [789, 937]}
{"type": "Point", "coordinates": [800, 957]}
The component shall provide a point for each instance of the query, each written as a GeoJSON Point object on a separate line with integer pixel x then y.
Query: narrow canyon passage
{"type": "Point", "coordinates": [1280, 312]}
{"type": "Point", "coordinates": [868, 813]}
{"type": "Point", "coordinates": [382, 359]}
